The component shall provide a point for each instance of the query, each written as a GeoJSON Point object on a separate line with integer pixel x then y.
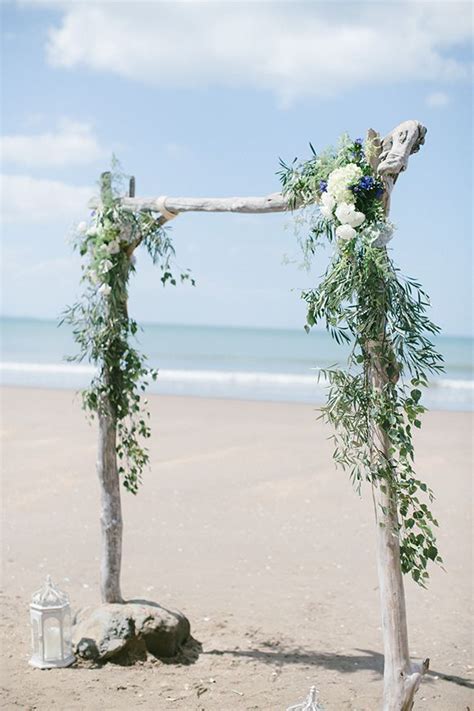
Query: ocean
{"type": "Point", "coordinates": [217, 361]}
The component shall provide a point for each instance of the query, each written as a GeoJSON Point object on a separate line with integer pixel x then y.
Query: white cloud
{"type": "Point", "coordinates": [72, 143]}
{"type": "Point", "coordinates": [290, 48]}
{"type": "Point", "coordinates": [437, 100]}
{"type": "Point", "coordinates": [30, 200]}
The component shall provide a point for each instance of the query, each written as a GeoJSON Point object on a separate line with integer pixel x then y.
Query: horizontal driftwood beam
{"type": "Point", "coordinates": [274, 202]}
{"type": "Point", "coordinates": [169, 207]}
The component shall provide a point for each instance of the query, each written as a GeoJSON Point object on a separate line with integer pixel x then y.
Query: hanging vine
{"type": "Point", "coordinates": [364, 302]}
{"type": "Point", "coordinates": [103, 329]}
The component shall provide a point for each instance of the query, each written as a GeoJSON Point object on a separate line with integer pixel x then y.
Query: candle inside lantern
{"type": "Point", "coordinates": [52, 642]}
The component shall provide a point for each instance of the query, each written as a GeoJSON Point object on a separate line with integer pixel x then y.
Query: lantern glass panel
{"type": "Point", "coordinates": [35, 636]}
{"type": "Point", "coordinates": [52, 639]}
{"type": "Point", "coordinates": [67, 633]}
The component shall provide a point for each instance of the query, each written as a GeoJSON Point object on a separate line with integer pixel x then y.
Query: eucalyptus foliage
{"type": "Point", "coordinates": [103, 329]}
{"type": "Point", "coordinates": [375, 402]}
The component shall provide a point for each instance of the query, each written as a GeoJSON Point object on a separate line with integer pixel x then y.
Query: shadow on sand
{"type": "Point", "coordinates": [343, 663]}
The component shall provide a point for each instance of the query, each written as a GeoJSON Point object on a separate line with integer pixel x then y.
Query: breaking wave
{"type": "Point", "coordinates": [444, 393]}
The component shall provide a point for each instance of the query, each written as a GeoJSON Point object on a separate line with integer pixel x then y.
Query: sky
{"type": "Point", "coordinates": [203, 99]}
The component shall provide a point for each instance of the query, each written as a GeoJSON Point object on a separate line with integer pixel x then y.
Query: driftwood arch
{"type": "Point", "coordinates": [401, 678]}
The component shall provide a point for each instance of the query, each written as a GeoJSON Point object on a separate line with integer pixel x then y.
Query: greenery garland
{"type": "Point", "coordinates": [364, 302]}
{"type": "Point", "coordinates": [103, 329]}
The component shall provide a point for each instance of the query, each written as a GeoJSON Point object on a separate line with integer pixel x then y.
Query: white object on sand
{"type": "Point", "coordinates": [311, 703]}
{"type": "Point", "coordinates": [50, 628]}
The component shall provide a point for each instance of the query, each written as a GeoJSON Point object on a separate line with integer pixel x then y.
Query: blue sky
{"type": "Point", "coordinates": [202, 99]}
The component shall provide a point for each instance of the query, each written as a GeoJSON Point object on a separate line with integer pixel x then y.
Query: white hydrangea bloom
{"type": "Point", "coordinates": [340, 179]}
{"type": "Point", "coordinates": [93, 276]}
{"type": "Point", "coordinates": [328, 201]}
{"type": "Point", "coordinates": [105, 290]}
{"type": "Point", "coordinates": [127, 235]}
{"type": "Point", "coordinates": [327, 205]}
{"type": "Point", "coordinates": [345, 232]}
{"type": "Point", "coordinates": [106, 266]}
{"type": "Point", "coordinates": [348, 215]}
{"type": "Point", "coordinates": [113, 247]}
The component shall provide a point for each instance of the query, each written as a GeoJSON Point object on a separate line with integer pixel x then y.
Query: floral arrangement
{"type": "Point", "coordinates": [103, 328]}
{"type": "Point", "coordinates": [365, 303]}
{"type": "Point", "coordinates": [346, 191]}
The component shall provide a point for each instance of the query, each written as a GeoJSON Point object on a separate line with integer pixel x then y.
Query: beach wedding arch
{"type": "Point", "coordinates": [373, 404]}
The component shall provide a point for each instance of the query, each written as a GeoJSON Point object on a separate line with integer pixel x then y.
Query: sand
{"type": "Point", "coordinates": [243, 524]}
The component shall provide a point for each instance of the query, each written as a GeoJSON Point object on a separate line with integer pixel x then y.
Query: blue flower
{"type": "Point", "coordinates": [366, 182]}
{"type": "Point", "coordinates": [358, 142]}
{"type": "Point", "coordinates": [323, 186]}
{"type": "Point", "coordinates": [379, 192]}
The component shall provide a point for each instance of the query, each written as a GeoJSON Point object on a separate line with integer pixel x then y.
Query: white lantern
{"type": "Point", "coordinates": [50, 628]}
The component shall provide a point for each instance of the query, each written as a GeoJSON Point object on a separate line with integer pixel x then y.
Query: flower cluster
{"type": "Point", "coordinates": [349, 196]}
{"type": "Point", "coordinates": [103, 329]}
{"type": "Point", "coordinates": [340, 180]}
{"type": "Point", "coordinates": [368, 185]}
{"type": "Point", "coordinates": [338, 200]}
{"type": "Point", "coordinates": [101, 241]}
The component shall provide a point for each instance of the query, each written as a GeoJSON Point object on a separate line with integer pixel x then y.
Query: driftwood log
{"type": "Point", "coordinates": [275, 202]}
{"type": "Point", "coordinates": [401, 678]}
{"type": "Point", "coordinates": [107, 471]}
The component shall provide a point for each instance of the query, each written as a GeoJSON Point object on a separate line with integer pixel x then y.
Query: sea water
{"type": "Point", "coordinates": [218, 361]}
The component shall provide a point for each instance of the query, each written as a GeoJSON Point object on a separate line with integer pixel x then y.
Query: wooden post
{"type": "Point", "coordinates": [107, 470]}
{"type": "Point", "coordinates": [401, 678]}
{"type": "Point", "coordinates": [111, 509]}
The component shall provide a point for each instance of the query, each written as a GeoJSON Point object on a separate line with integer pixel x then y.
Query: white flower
{"type": "Point", "coordinates": [345, 232]}
{"type": "Point", "coordinates": [105, 290]}
{"type": "Point", "coordinates": [93, 276]}
{"type": "Point", "coordinates": [127, 235]}
{"type": "Point", "coordinates": [113, 247]}
{"type": "Point", "coordinates": [92, 232]}
{"type": "Point", "coordinates": [327, 205]}
{"type": "Point", "coordinates": [348, 215]}
{"type": "Point", "coordinates": [339, 181]}
{"type": "Point", "coordinates": [82, 227]}
{"type": "Point", "coordinates": [357, 219]}
{"type": "Point", "coordinates": [326, 212]}
{"type": "Point", "coordinates": [106, 266]}
{"type": "Point", "coordinates": [328, 201]}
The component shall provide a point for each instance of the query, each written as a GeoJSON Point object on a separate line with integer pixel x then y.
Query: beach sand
{"type": "Point", "coordinates": [244, 524]}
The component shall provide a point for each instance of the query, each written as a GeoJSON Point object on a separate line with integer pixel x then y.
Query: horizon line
{"type": "Point", "coordinates": [51, 319]}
